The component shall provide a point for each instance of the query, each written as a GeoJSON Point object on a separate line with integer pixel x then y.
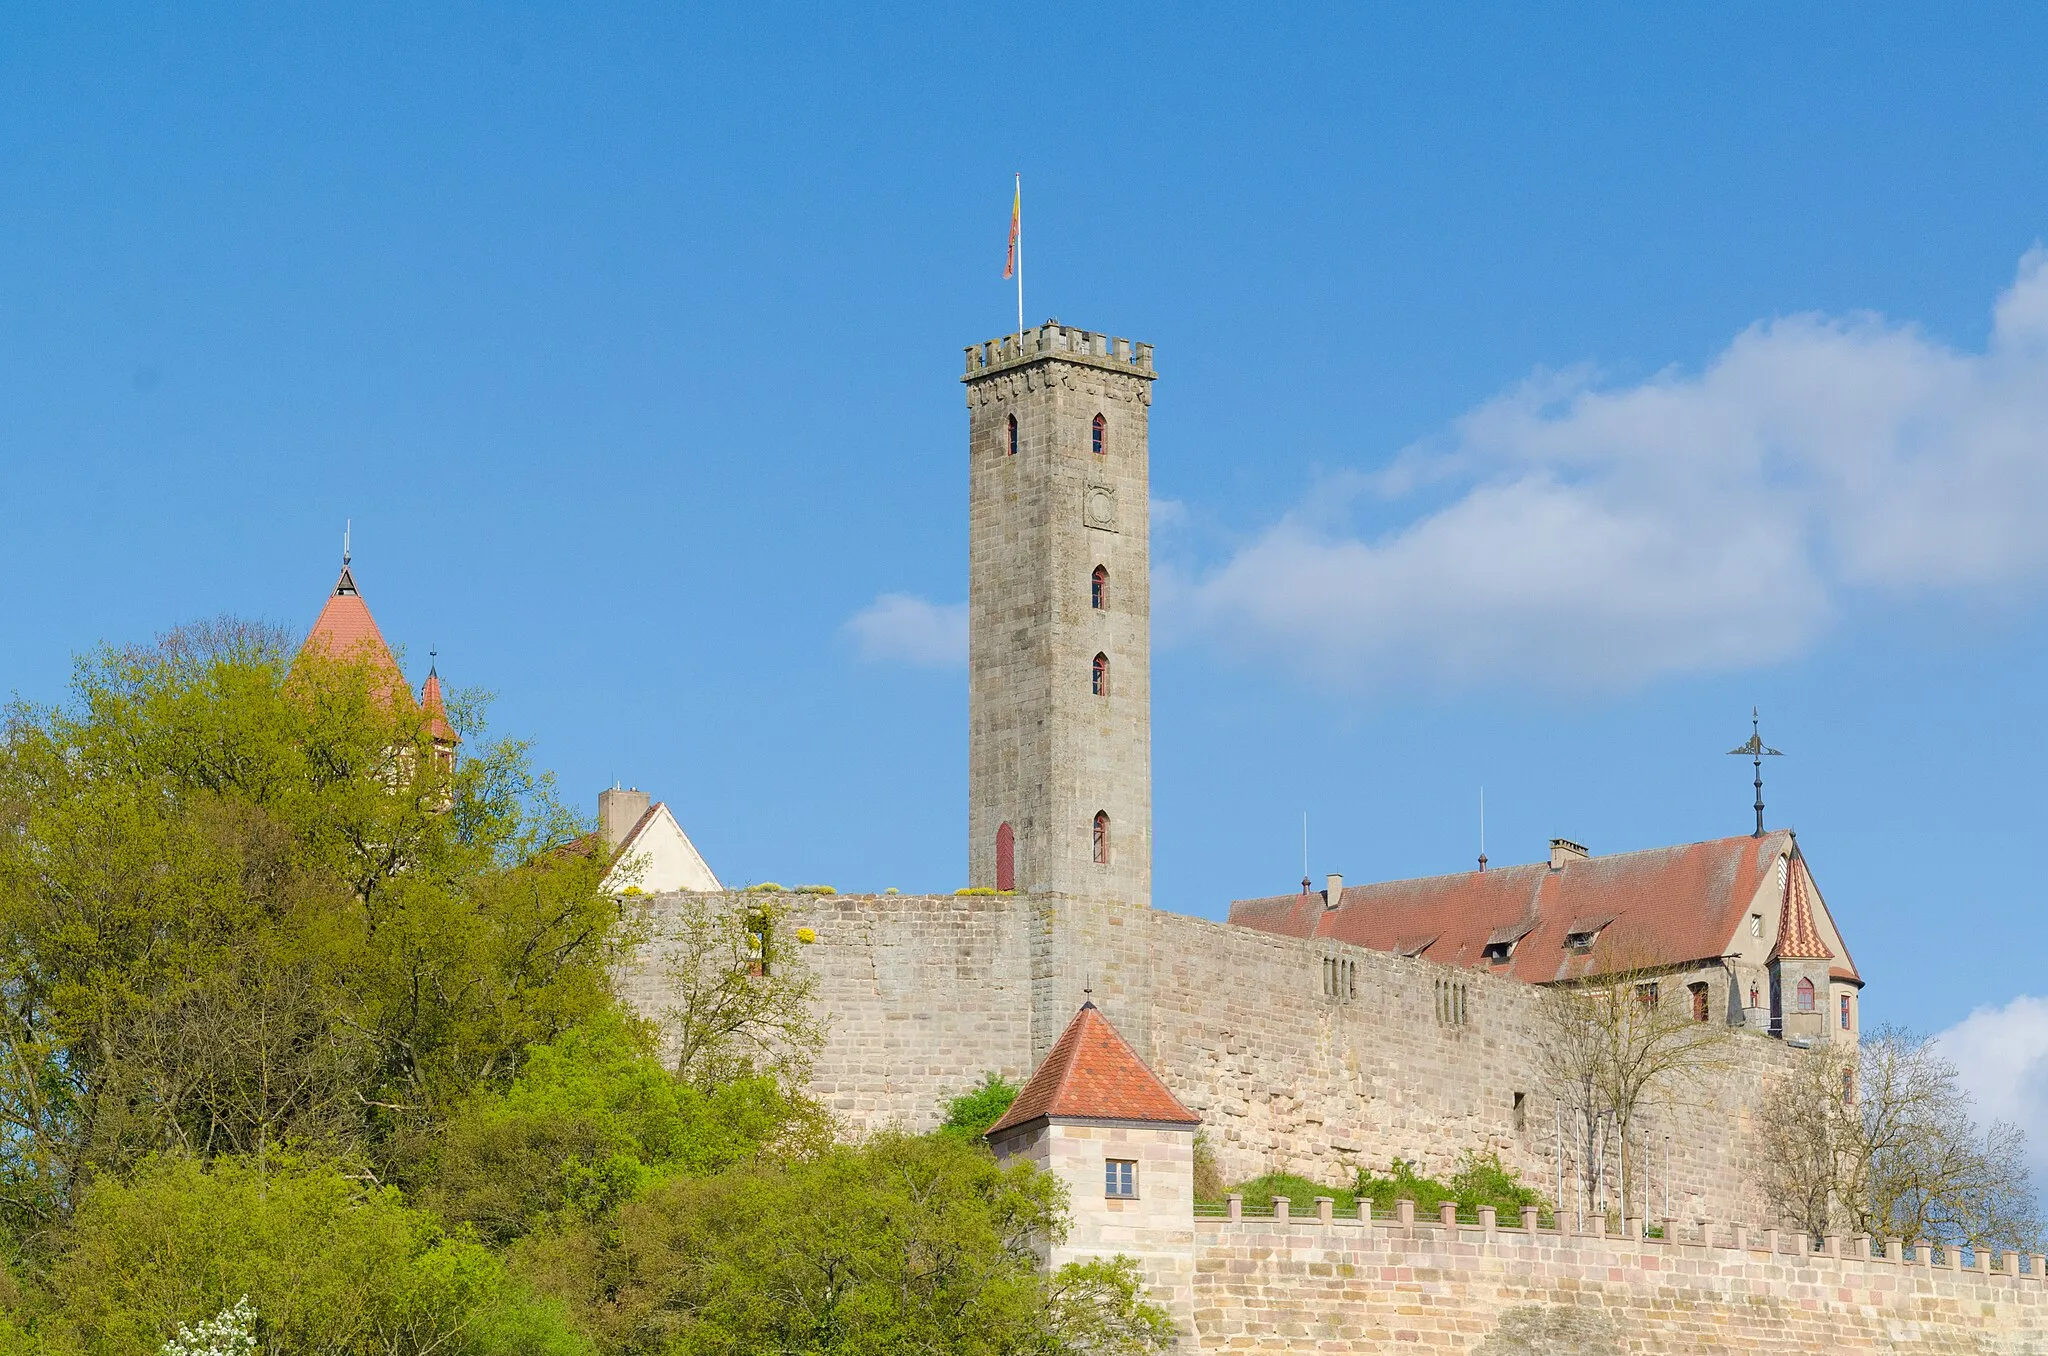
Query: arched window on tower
{"type": "Point", "coordinates": [1102, 838]}
{"type": "Point", "coordinates": [1101, 436]}
{"type": "Point", "coordinates": [1101, 678]}
{"type": "Point", "coordinates": [1006, 857]}
{"type": "Point", "coordinates": [1806, 995]}
{"type": "Point", "coordinates": [1012, 448]}
{"type": "Point", "coordinates": [1098, 588]}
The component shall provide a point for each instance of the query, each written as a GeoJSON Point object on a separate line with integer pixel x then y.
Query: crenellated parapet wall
{"type": "Point", "coordinates": [1330, 1285]}
{"type": "Point", "coordinates": [1053, 340]}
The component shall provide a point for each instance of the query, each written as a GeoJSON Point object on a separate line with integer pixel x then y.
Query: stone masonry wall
{"type": "Point", "coordinates": [922, 995]}
{"type": "Point", "coordinates": [1285, 1077]}
{"type": "Point", "coordinates": [1271, 1286]}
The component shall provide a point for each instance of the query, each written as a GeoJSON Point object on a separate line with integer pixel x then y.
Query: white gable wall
{"type": "Point", "coordinates": [660, 857]}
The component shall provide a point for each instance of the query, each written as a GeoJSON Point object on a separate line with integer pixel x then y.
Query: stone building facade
{"type": "Point", "coordinates": [1059, 640]}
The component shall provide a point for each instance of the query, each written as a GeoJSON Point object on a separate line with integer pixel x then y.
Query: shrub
{"type": "Point", "coordinates": [767, 887]}
{"type": "Point", "coordinates": [969, 1115]}
{"type": "Point", "coordinates": [1260, 1193]}
{"type": "Point", "coordinates": [816, 890]}
{"type": "Point", "coordinates": [1481, 1179]}
{"type": "Point", "coordinates": [975, 890]}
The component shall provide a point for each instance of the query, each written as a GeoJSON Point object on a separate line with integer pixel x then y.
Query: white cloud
{"type": "Point", "coordinates": [1589, 536]}
{"type": "Point", "coordinates": [2001, 1055]}
{"type": "Point", "coordinates": [897, 626]}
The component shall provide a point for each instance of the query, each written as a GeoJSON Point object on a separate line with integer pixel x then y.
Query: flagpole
{"type": "Point", "coordinates": [1020, 265]}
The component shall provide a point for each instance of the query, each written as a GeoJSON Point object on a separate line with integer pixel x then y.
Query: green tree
{"type": "Point", "coordinates": [742, 1002]}
{"type": "Point", "coordinates": [969, 1115]}
{"type": "Point", "coordinates": [328, 1262]}
{"type": "Point", "coordinates": [593, 1120]}
{"type": "Point", "coordinates": [242, 905]}
{"type": "Point", "coordinates": [916, 1244]}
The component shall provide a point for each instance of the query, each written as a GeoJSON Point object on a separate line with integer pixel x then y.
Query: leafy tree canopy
{"type": "Point", "coordinates": [242, 905]}
{"type": "Point", "coordinates": [327, 1262]}
{"type": "Point", "coordinates": [904, 1243]}
{"type": "Point", "coordinates": [594, 1120]}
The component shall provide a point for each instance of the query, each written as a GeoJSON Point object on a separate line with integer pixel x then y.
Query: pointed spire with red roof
{"type": "Point", "coordinates": [1093, 1074]}
{"type": "Point", "coordinates": [438, 728]}
{"type": "Point", "coordinates": [346, 631]}
{"type": "Point", "coordinates": [1798, 935]}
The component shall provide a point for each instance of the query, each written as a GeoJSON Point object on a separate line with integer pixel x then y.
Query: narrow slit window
{"type": "Point", "coordinates": [1012, 445]}
{"type": "Point", "coordinates": [1006, 857]}
{"type": "Point", "coordinates": [1098, 588]}
{"type": "Point", "coordinates": [1699, 1002]}
{"type": "Point", "coordinates": [1845, 1012]}
{"type": "Point", "coordinates": [1101, 436]}
{"type": "Point", "coordinates": [1102, 838]}
{"type": "Point", "coordinates": [1100, 679]}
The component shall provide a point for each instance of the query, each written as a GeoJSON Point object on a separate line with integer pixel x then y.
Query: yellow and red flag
{"type": "Point", "coordinates": [1016, 213]}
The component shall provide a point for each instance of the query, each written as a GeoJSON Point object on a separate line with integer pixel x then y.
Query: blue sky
{"type": "Point", "coordinates": [1541, 387]}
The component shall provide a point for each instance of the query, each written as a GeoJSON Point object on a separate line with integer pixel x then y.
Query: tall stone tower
{"type": "Point", "coordinates": [1059, 642]}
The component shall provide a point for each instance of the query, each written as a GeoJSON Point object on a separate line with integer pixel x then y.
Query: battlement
{"type": "Point", "coordinates": [1064, 342]}
{"type": "Point", "coordinates": [1334, 1285]}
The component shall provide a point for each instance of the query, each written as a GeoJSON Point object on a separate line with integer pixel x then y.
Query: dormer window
{"type": "Point", "coordinates": [1579, 943]}
{"type": "Point", "coordinates": [1497, 953]}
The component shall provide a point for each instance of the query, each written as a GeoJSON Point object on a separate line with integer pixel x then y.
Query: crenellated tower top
{"type": "Point", "coordinates": [1054, 340]}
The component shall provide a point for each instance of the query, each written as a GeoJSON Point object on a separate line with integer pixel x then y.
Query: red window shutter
{"type": "Point", "coordinates": [1006, 857]}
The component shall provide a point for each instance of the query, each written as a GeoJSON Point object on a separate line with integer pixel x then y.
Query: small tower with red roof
{"type": "Point", "coordinates": [1799, 962]}
{"type": "Point", "coordinates": [346, 631]}
{"type": "Point", "coordinates": [1097, 1118]}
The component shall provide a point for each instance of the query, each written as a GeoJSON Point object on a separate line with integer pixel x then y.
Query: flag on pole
{"type": "Point", "coordinates": [1016, 213]}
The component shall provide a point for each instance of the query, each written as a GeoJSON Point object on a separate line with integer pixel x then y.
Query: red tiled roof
{"type": "Point", "coordinates": [347, 631]}
{"type": "Point", "coordinates": [1798, 936]}
{"type": "Point", "coordinates": [438, 727]}
{"type": "Point", "coordinates": [1664, 906]}
{"type": "Point", "coordinates": [1093, 1074]}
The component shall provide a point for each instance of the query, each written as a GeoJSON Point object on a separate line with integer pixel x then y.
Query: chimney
{"type": "Point", "coordinates": [1564, 850]}
{"type": "Point", "coordinates": [617, 812]}
{"type": "Point", "coordinates": [1334, 895]}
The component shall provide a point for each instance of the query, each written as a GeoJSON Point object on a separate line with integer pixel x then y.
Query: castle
{"type": "Point", "coordinates": [1316, 1032]}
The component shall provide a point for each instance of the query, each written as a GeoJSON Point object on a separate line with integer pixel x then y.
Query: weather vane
{"type": "Point", "coordinates": [1756, 751]}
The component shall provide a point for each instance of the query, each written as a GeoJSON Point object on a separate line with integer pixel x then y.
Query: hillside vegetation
{"type": "Point", "coordinates": [308, 1044]}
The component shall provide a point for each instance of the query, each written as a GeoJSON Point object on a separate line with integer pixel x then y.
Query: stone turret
{"type": "Point", "coordinates": [1059, 621]}
{"type": "Point", "coordinates": [1097, 1118]}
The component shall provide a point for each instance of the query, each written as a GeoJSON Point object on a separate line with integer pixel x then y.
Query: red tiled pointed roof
{"type": "Point", "coordinates": [1664, 906]}
{"type": "Point", "coordinates": [438, 727]}
{"type": "Point", "coordinates": [1093, 1074]}
{"type": "Point", "coordinates": [1798, 936]}
{"type": "Point", "coordinates": [347, 631]}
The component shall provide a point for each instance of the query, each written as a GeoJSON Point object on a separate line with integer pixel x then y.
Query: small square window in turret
{"type": "Point", "coordinates": [1120, 1179]}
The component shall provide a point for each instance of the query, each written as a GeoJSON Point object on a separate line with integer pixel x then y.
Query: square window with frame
{"type": "Point", "coordinates": [1120, 1179]}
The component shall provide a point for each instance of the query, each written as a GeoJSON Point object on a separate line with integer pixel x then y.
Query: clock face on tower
{"type": "Point", "coordinates": [1098, 507]}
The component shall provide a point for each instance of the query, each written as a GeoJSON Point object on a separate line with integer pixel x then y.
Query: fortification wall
{"type": "Point", "coordinates": [924, 994]}
{"type": "Point", "coordinates": [1270, 1286]}
{"type": "Point", "coordinates": [921, 994]}
{"type": "Point", "coordinates": [1412, 1060]}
